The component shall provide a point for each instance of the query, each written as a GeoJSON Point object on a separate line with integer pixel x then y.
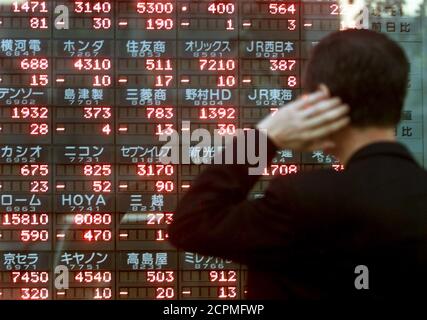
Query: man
{"type": "Point", "coordinates": [361, 233]}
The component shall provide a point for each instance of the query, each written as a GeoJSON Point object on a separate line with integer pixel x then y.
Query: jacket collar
{"type": "Point", "coordinates": [391, 149]}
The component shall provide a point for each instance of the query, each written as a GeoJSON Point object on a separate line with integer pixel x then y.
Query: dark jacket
{"type": "Point", "coordinates": [306, 236]}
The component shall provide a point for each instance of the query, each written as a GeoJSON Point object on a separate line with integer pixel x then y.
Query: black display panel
{"type": "Point", "coordinates": [87, 88]}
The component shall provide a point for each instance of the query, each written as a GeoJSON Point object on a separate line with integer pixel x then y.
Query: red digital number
{"type": "Point", "coordinates": [217, 65]}
{"type": "Point", "coordinates": [161, 235]}
{"type": "Point", "coordinates": [38, 23]}
{"type": "Point", "coordinates": [106, 129]}
{"type": "Point", "coordinates": [34, 235]}
{"type": "Point", "coordinates": [336, 9]}
{"type": "Point", "coordinates": [97, 112]}
{"type": "Point", "coordinates": [227, 292]}
{"type": "Point", "coordinates": [164, 129]}
{"type": "Point", "coordinates": [92, 7]}
{"type": "Point", "coordinates": [165, 293]}
{"type": "Point", "coordinates": [221, 8]}
{"type": "Point", "coordinates": [39, 186]}
{"type": "Point", "coordinates": [103, 293]}
{"type": "Point", "coordinates": [39, 129]}
{"type": "Point", "coordinates": [24, 219]}
{"type": "Point", "coordinates": [160, 113]}
{"type": "Point", "coordinates": [29, 6]}
{"type": "Point", "coordinates": [154, 7]}
{"type": "Point", "coordinates": [39, 80]}
{"type": "Point", "coordinates": [101, 186]}
{"type": "Point", "coordinates": [102, 81]}
{"type": "Point", "coordinates": [34, 170]}
{"type": "Point", "coordinates": [230, 25]}
{"type": "Point", "coordinates": [30, 113]}
{"type": "Point", "coordinates": [93, 64]}
{"type": "Point", "coordinates": [292, 81]}
{"type": "Point", "coordinates": [159, 24]}
{"type": "Point", "coordinates": [223, 276]}
{"type": "Point", "coordinates": [34, 64]}
{"type": "Point", "coordinates": [226, 81]}
{"type": "Point", "coordinates": [101, 23]}
{"type": "Point", "coordinates": [93, 276]}
{"type": "Point", "coordinates": [282, 8]}
{"type": "Point", "coordinates": [163, 81]}
{"type": "Point", "coordinates": [93, 219]}
{"type": "Point", "coordinates": [97, 235]}
{"type": "Point", "coordinates": [283, 169]}
{"type": "Point", "coordinates": [165, 186]}
{"type": "Point", "coordinates": [34, 293]}
{"type": "Point", "coordinates": [159, 218]}
{"type": "Point", "coordinates": [160, 276]}
{"type": "Point", "coordinates": [226, 129]}
{"type": "Point", "coordinates": [212, 113]}
{"type": "Point", "coordinates": [30, 277]}
{"type": "Point", "coordinates": [282, 65]}
{"type": "Point", "coordinates": [97, 170]}
{"type": "Point", "coordinates": [292, 25]}
{"type": "Point", "coordinates": [158, 64]}
{"type": "Point", "coordinates": [280, 169]}
{"type": "Point", "coordinates": [149, 170]}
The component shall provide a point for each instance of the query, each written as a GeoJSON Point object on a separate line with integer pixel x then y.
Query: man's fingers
{"type": "Point", "coordinates": [327, 129]}
{"type": "Point", "coordinates": [321, 106]}
{"type": "Point", "coordinates": [309, 99]}
{"type": "Point", "coordinates": [327, 116]}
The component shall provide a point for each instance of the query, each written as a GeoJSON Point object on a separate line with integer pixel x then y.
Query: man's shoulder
{"type": "Point", "coordinates": [313, 187]}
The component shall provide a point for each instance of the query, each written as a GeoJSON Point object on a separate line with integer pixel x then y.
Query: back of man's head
{"type": "Point", "coordinates": [367, 70]}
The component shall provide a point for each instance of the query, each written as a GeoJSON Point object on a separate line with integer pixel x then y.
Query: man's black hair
{"type": "Point", "coordinates": [367, 70]}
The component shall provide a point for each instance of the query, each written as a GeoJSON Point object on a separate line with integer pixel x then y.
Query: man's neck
{"type": "Point", "coordinates": [356, 139]}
